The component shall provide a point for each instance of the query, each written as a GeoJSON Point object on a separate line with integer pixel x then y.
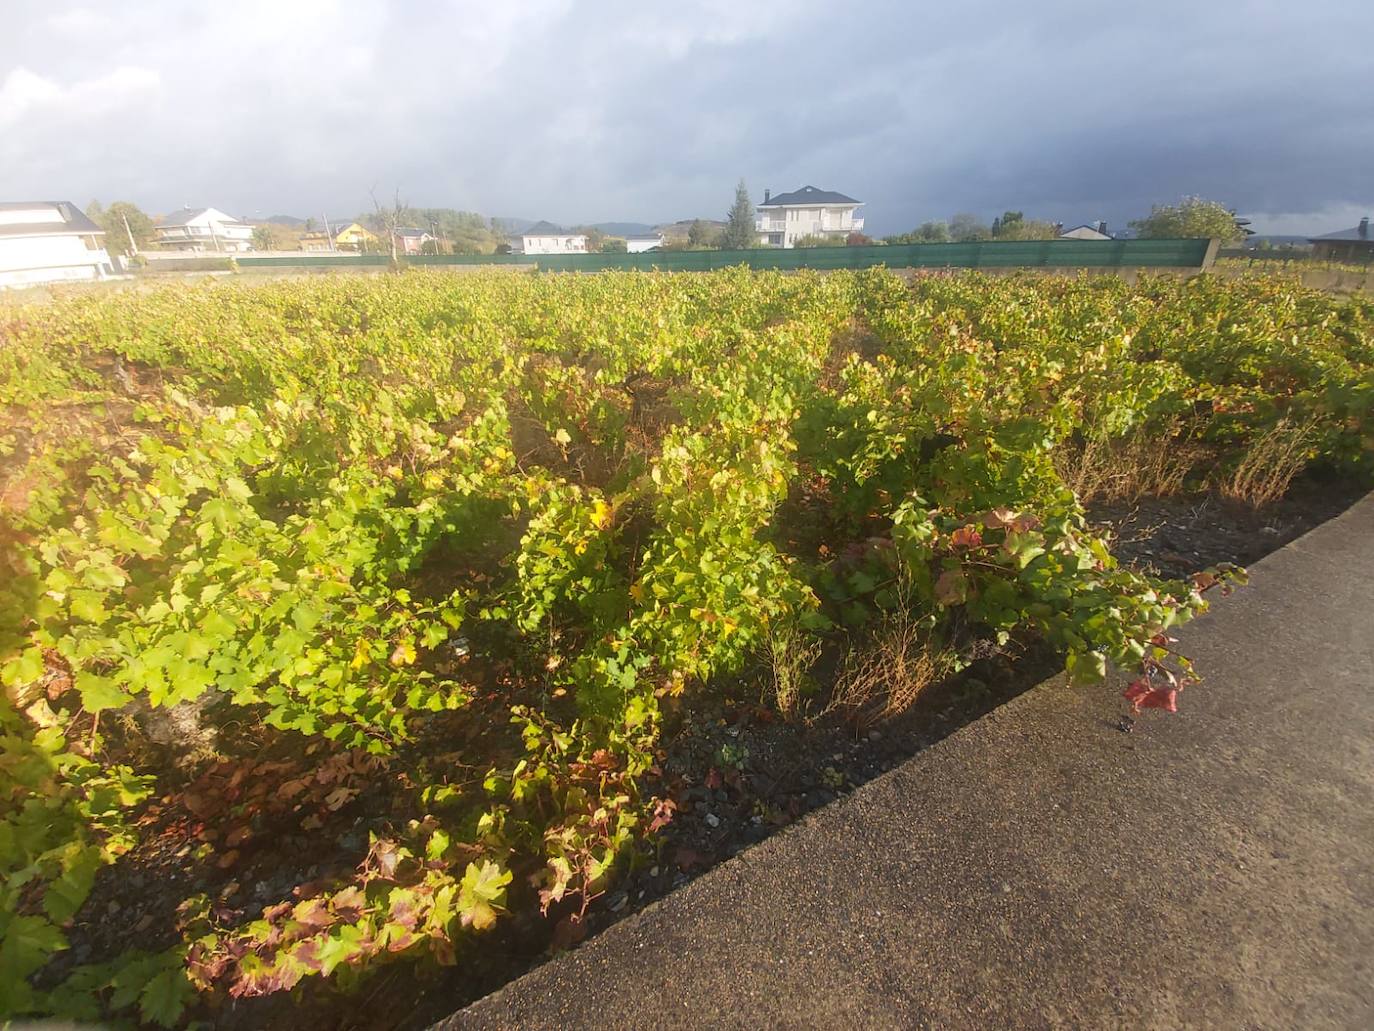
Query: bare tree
{"type": "Point", "coordinates": [391, 218]}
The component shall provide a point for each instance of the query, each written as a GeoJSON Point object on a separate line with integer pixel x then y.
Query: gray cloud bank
{"type": "Point", "coordinates": [587, 110]}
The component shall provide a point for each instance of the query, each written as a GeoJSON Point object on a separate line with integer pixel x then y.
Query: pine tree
{"type": "Point", "coordinates": [739, 226]}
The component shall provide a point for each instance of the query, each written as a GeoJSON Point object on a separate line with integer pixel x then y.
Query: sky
{"type": "Point", "coordinates": [581, 111]}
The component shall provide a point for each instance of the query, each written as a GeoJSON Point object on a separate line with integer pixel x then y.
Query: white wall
{"type": "Point", "coordinates": [640, 246]}
{"type": "Point", "coordinates": [796, 222]}
{"type": "Point", "coordinates": [50, 259]}
{"type": "Point", "coordinates": [212, 230]}
{"type": "Point", "coordinates": [567, 244]}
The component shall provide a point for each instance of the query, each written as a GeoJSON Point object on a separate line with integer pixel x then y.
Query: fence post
{"type": "Point", "coordinates": [1209, 257]}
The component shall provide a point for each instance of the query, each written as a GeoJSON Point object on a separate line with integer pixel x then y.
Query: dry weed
{"type": "Point", "coordinates": [791, 655]}
{"type": "Point", "coordinates": [1268, 466]}
{"type": "Point", "coordinates": [887, 674]}
{"type": "Point", "coordinates": [1129, 468]}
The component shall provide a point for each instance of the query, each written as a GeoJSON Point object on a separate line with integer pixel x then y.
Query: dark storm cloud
{"type": "Point", "coordinates": [607, 109]}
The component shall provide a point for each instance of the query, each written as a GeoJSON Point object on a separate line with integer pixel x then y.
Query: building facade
{"type": "Point", "coordinates": [1347, 245]}
{"type": "Point", "coordinates": [640, 243]}
{"type": "Point", "coordinates": [783, 220]}
{"type": "Point", "coordinates": [204, 229]}
{"type": "Point", "coordinates": [48, 241]}
{"type": "Point", "coordinates": [351, 237]}
{"type": "Point", "coordinates": [412, 240]}
{"type": "Point", "coordinates": [547, 238]}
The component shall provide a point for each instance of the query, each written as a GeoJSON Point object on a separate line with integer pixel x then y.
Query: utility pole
{"type": "Point", "coordinates": [328, 235]}
{"type": "Point", "coordinates": [133, 247]}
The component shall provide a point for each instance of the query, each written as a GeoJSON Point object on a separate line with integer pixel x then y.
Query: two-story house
{"type": "Point", "coordinates": [204, 229]}
{"type": "Point", "coordinates": [810, 211]}
{"type": "Point", "coordinates": [49, 241]}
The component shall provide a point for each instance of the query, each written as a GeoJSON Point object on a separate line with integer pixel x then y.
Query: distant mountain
{"type": "Point", "coordinates": [513, 226]}
{"type": "Point", "coordinates": [286, 220]}
{"type": "Point", "coordinates": [684, 226]}
{"type": "Point", "coordinates": [623, 228]}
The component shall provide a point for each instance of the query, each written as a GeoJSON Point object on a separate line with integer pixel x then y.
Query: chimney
{"type": "Point", "coordinates": [1364, 228]}
{"type": "Point", "coordinates": [768, 193]}
{"type": "Point", "coordinates": [1102, 228]}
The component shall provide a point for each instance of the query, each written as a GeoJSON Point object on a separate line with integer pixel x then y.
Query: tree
{"type": "Point", "coordinates": [596, 239]}
{"type": "Point", "coordinates": [1004, 225]}
{"type": "Point", "coordinates": [310, 222]}
{"type": "Point", "coordinates": [112, 220]}
{"type": "Point", "coordinates": [816, 240]}
{"type": "Point", "coordinates": [926, 232]}
{"type": "Point", "coordinates": [614, 245]}
{"type": "Point", "coordinates": [390, 219]}
{"type": "Point", "coordinates": [1192, 217]}
{"type": "Point", "coordinates": [857, 239]}
{"type": "Point", "coordinates": [739, 224]}
{"type": "Point", "coordinates": [698, 234]}
{"type": "Point", "coordinates": [1026, 229]}
{"type": "Point", "coordinates": [964, 227]}
{"type": "Point", "coordinates": [459, 232]}
{"type": "Point", "coordinates": [263, 239]}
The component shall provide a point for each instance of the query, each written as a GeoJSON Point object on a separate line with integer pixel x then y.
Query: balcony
{"type": "Point", "coordinates": [831, 225]}
{"type": "Point", "coordinates": [770, 225]}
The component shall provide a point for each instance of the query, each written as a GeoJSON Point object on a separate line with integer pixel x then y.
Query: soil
{"type": "Point", "coordinates": [735, 772]}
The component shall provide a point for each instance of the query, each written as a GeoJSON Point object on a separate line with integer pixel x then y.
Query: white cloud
{"type": "Point", "coordinates": [26, 94]}
{"type": "Point", "coordinates": [23, 91]}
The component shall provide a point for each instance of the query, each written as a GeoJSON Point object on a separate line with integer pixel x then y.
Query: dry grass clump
{"type": "Point", "coordinates": [791, 654]}
{"type": "Point", "coordinates": [1129, 468]}
{"type": "Point", "coordinates": [884, 676]}
{"type": "Point", "coordinates": [1268, 466]}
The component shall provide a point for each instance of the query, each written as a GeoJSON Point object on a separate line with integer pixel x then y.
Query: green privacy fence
{"type": "Point", "coordinates": [982, 254]}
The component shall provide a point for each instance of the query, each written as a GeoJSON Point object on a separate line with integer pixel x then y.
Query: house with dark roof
{"type": "Point", "coordinates": [203, 229]}
{"type": "Point", "coordinates": [50, 241]}
{"type": "Point", "coordinates": [412, 240]}
{"type": "Point", "coordinates": [547, 238]}
{"type": "Point", "coordinates": [1347, 245]}
{"type": "Point", "coordinates": [810, 211]}
{"type": "Point", "coordinates": [1087, 231]}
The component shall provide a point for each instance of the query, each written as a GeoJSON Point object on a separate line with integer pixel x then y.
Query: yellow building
{"type": "Point", "coordinates": [350, 237]}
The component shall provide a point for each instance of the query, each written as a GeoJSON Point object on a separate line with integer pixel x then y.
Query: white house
{"type": "Point", "coordinates": [49, 241]}
{"type": "Point", "coordinates": [641, 242]}
{"type": "Point", "coordinates": [786, 218]}
{"type": "Point", "coordinates": [1093, 231]}
{"type": "Point", "coordinates": [547, 238]}
{"type": "Point", "coordinates": [204, 229]}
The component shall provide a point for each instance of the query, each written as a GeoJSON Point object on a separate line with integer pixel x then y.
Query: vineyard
{"type": "Point", "coordinates": [352, 618]}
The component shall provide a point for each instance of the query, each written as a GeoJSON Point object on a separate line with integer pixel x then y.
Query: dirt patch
{"type": "Point", "coordinates": [1172, 537]}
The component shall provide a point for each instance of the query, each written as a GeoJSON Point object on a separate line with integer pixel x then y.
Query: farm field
{"type": "Point", "coordinates": [357, 628]}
